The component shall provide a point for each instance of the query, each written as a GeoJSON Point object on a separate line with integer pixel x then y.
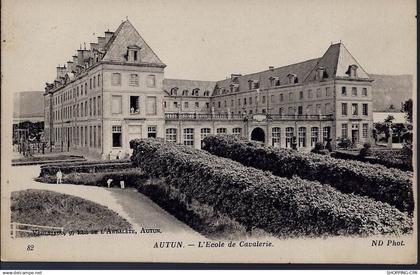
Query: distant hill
{"type": "Point", "coordinates": [390, 89]}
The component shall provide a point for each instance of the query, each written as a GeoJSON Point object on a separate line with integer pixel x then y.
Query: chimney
{"type": "Point", "coordinates": [108, 35]}
{"type": "Point", "coordinates": [80, 58]}
{"type": "Point", "coordinates": [70, 66]}
{"type": "Point", "coordinates": [61, 71]}
{"type": "Point", "coordinates": [94, 46]}
{"type": "Point", "coordinates": [101, 42]}
{"type": "Point", "coordinates": [271, 68]}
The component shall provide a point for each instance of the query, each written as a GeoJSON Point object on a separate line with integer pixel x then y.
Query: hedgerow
{"type": "Point", "coordinates": [131, 177]}
{"type": "Point", "coordinates": [376, 181]}
{"type": "Point", "coordinates": [258, 199]}
{"type": "Point", "coordinates": [85, 167]}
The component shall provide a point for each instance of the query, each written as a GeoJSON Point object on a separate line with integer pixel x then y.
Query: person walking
{"type": "Point", "coordinates": [59, 176]}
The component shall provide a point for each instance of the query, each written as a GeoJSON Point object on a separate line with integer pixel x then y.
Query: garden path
{"type": "Point", "coordinates": [135, 207]}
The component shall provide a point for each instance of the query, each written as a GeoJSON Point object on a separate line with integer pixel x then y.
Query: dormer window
{"type": "Point", "coordinates": [174, 91]}
{"type": "Point", "coordinates": [250, 84]}
{"type": "Point", "coordinates": [352, 71]}
{"type": "Point", "coordinates": [256, 84]}
{"type": "Point", "coordinates": [292, 78]}
{"type": "Point", "coordinates": [206, 93]}
{"type": "Point", "coordinates": [185, 92]}
{"type": "Point", "coordinates": [195, 92]}
{"type": "Point", "coordinates": [133, 53]}
{"type": "Point", "coordinates": [320, 73]}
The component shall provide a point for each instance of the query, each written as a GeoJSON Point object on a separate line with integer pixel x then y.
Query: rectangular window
{"type": "Point", "coordinates": [344, 109]}
{"type": "Point", "coordinates": [327, 109]}
{"type": "Point", "coordinates": [207, 105]}
{"type": "Point", "coordinates": [275, 137]}
{"type": "Point", "coordinates": [134, 105]}
{"type": "Point", "coordinates": [151, 131]}
{"type": "Point", "coordinates": [239, 102]}
{"type": "Point", "coordinates": [309, 93]}
{"type": "Point", "coordinates": [99, 82]}
{"type": "Point", "coordinates": [116, 79]}
{"type": "Point", "coordinates": [289, 136]}
{"type": "Point", "coordinates": [244, 101]}
{"type": "Point", "coordinates": [90, 106]}
{"type": "Point", "coordinates": [314, 136]}
{"type": "Point", "coordinates": [135, 55]}
{"type": "Point", "coordinates": [290, 96]}
{"type": "Point", "coordinates": [116, 106]}
{"type": "Point", "coordinates": [365, 130]}
{"type": "Point", "coordinates": [231, 103]}
{"type": "Point", "coordinates": [186, 104]}
{"type": "Point", "coordinates": [204, 132]}
{"type": "Point", "coordinates": [151, 81]}
{"type": "Point", "coordinates": [94, 83]}
{"type": "Point", "coordinates": [364, 92]}
{"type": "Point", "coordinates": [134, 132]}
{"type": "Point", "coordinates": [318, 109]}
{"type": "Point", "coordinates": [343, 91]}
{"type": "Point", "coordinates": [134, 80]}
{"type": "Point", "coordinates": [280, 111]}
{"type": "Point", "coordinates": [344, 130]}
{"type": "Point", "coordinates": [281, 97]}
{"type": "Point", "coordinates": [99, 136]}
{"type": "Point", "coordinates": [263, 99]}
{"type": "Point", "coordinates": [250, 100]}
{"type": "Point", "coordinates": [300, 110]}
{"type": "Point", "coordinates": [99, 105]}
{"type": "Point", "coordinates": [365, 109]}
{"type": "Point", "coordinates": [354, 109]}
{"type": "Point", "coordinates": [94, 136]}
{"type": "Point", "coordinates": [327, 91]}
{"type": "Point", "coordinates": [300, 94]}
{"type": "Point", "coordinates": [326, 132]}
{"type": "Point", "coordinates": [189, 136]}
{"type": "Point", "coordinates": [237, 131]}
{"type": "Point", "coordinates": [90, 83]}
{"type": "Point", "coordinates": [171, 135]}
{"type": "Point", "coordinates": [318, 92]}
{"type": "Point", "coordinates": [221, 131]}
{"type": "Point", "coordinates": [354, 91]}
{"type": "Point", "coordinates": [116, 136]}
{"type": "Point", "coordinates": [302, 137]}
{"type": "Point", "coordinates": [151, 105]}
{"type": "Point", "coordinates": [94, 106]}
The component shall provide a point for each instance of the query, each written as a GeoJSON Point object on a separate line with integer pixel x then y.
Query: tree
{"type": "Point", "coordinates": [407, 108]}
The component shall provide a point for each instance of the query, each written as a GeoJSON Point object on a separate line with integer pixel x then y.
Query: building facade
{"type": "Point", "coordinates": [116, 91]}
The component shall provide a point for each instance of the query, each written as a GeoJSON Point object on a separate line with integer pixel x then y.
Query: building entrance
{"type": "Point", "coordinates": [258, 135]}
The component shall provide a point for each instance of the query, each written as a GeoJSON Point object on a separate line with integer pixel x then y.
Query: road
{"type": "Point", "coordinates": [135, 207]}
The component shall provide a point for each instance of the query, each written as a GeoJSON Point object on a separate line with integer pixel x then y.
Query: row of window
{"type": "Point", "coordinates": [134, 80]}
{"type": "Point", "coordinates": [76, 91]}
{"type": "Point", "coordinates": [81, 109]}
{"type": "Point", "coordinates": [185, 92]}
{"type": "Point", "coordinates": [354, 91]}
{"type": "Point", "coordinates": [186, 104]}
{"type": "Point", "coordinates": [354, 131]}
{"type": "Point", "coordinates": [84, 136]}
{"type": "Point", "coordinates": [134, 105]}
{"type": "Point", "coordinates": [354, 109]}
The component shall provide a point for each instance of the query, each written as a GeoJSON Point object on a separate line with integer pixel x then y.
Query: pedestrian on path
{"type": "Point", "coordinates": [59, 176]}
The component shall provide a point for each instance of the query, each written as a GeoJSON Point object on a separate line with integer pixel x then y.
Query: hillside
{"type": "Point", "coordinates": [390, 89]}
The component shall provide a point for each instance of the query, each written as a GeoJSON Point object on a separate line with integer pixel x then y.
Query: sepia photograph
{"type": "Point", "coordinates": [228, 131]}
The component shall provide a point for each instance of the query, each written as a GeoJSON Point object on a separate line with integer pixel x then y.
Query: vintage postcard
{"type": "Point", "coordinates": [229, 131]}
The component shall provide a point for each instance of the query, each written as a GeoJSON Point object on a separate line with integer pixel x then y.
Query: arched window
{"type": "Point", "coordinates": [314, 136]}
{"type": "Point", "coordinates": [302, 137]}
{"type": "Point", "coordinates": [275, 136]}
{"type": "Point", "coordinates": [289, 137]}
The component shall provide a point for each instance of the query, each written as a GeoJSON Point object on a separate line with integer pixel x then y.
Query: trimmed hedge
{"type": "Point", "coordinates": [258, 199]}
{"type": "Point", "coordinates": [387, 185]}
{"type": "Point", "coordinates": [85, 167]}
{"type": "Point", "coordinates": [131, 177]}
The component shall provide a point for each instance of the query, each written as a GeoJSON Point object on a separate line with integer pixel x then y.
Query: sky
{"type": "Point", "coordinates": [208, 40]}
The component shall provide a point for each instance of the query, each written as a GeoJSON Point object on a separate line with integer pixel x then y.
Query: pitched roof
{"type": "Point", "coordinates": [299, 69]}
{"type": "Point", "coordinates": [127, 36]}
{"type": "Point", "coordinates": [335, 61]}
{"type": "Point", "coordinates": [184, 84]}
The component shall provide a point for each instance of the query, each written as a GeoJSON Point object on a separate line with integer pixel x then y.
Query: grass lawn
{"type": "Point", "coordinates": [47, 208]}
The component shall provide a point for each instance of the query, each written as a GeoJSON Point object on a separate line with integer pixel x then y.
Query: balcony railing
{"type": "Point", "coordinates": [243, 117]}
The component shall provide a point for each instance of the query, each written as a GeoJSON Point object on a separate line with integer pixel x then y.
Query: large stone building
{"type": "Point", "coordinates": [116, 91]}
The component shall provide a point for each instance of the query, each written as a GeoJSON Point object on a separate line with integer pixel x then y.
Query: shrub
{"type": "Point", "coordinates": [131, 177]}
{"type": "Point", "coordinates": [319, 149]}
{"type": "Point", "coordinates": [365, 151]}
{"type": "Point", "coordinates": [85, 167]}
{"type": "Point", "coordinates": [387, 185]}
{"type": "Point", "coordinates": [258, 199]}
{"type": "Point", "coordinates": [344, 143]}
